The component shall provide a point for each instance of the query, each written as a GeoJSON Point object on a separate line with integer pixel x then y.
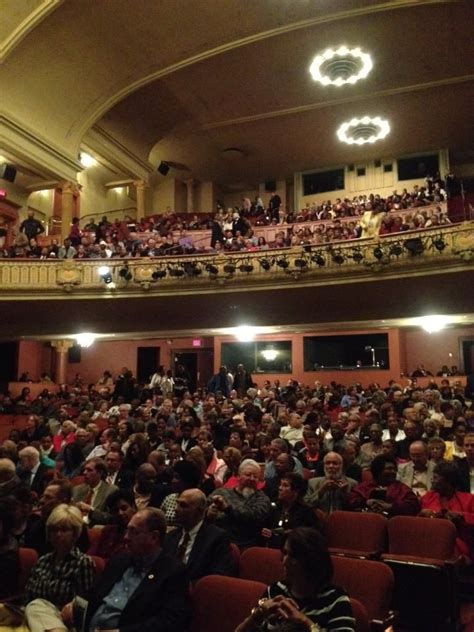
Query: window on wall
{"type": "Point", "coordinates": [358, 351]}
{"type": "Point", "coordinates": [417, 167]}
{"type": "Point", "coordinates": [323, 181]}
{"type": "Point", "coordinates": [258, 357]}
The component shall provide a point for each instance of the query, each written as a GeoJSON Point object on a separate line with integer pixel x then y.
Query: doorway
{"type": "Point", "coordinates": [8, 363]}
{"type": "Point", "coordinates": [467, 354]}
{"type": "Point", "coordinates": [148, 360]}
{"type": "Point", "coordinates": [189, 360]}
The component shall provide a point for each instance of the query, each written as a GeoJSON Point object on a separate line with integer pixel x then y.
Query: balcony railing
{"type": "Point", "coordinates": [428, 251]}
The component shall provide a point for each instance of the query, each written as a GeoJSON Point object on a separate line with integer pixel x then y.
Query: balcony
{"type": "Point", "coordinates": [423, 252]}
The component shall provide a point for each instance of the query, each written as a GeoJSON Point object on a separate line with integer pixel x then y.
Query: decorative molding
{"type": "Point", "coordinates": [62, 346]}
{"type": "Point", "coordinates": [28, 24]}
{"type": "Point", "coordinates": [29, 146]}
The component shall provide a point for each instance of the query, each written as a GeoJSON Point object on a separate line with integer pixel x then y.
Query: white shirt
{"type": "Point", "coordinates": [192, 538]}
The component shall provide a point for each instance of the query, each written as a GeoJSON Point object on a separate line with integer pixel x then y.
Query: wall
{"type": "Point", "coordinates": [234, 198]}
{"type": "Point", "coordinates": [163, 196]}
{"type": "Point", "coordinates": [433, 350]}
{"type": "Point", "coordinates": [30, 358]}
{"type": "Point", "coordinates": [15, 194]}
{"type": "Point", "coordinates": [181, 197]}
{"type": "Point", "coordinates": [365, 377]}
{"type": "Point", "coordinates": [41, 201]}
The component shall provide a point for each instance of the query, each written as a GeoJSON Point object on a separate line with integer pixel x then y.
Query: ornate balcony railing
{"type": "Point", "coordinates": [428, 251]}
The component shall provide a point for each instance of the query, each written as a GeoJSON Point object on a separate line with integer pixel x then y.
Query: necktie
{"type": "Point", "coordinates": [88, 498]}
{"type": "Point", "coordinates": [181, 552]}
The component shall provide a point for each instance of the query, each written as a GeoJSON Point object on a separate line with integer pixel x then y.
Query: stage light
{"type": "Point", "coordinates": [318, 259]}
{"type": "Point", "coordinates": [192, 269]}
{"type": "Point", "coordinates": [439, 244]}
{"type": "Point", "coordinates": [378, 252]}
{"type": "Point", "coordinates": [338, 258]}
{"type": "Point", "coordinates": [246, 267]}
{"type": "Point", "coordinates": [176, 272]}
{"type": "Point", "coordinates": [395, 250]}
{"type": "Point", "coordinates": [212, 269]}
{"type": "Point", "coordinates": [301, 263]}
{"type": "Point", "coordinates": [266, 264]}
{"type": "Point", "coordinates": [414, 246]}
{"type": "Point", "coordinates": [125, 273]}
{"type": "Point", "coordinates": [105, 274]}
{"type": "Point", "coordinates": [357, 256]}
{"type": "Point", "coordinates": [229, 268]}
{"type": "Point", "coordinates": [159, 273]}
{"type": "Point", "coordinates": [283, 263]}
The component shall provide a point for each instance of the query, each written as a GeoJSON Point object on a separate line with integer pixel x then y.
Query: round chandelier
{"type": "Point", "coordinates": [363, 130]}
{"type": "Point", "coordinates": [340, 66]}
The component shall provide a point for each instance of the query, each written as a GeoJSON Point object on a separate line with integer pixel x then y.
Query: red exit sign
{"type": "Point", "coordinates": [3, 194]}
{"type": "Point", "coordinates": [197, 342]}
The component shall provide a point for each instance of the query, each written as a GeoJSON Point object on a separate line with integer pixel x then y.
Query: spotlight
{"type": "Point", "coordinates": [300, 263]}
{"type": "Point", "coordinates": [246, 267]}
{"type": "Point", "coordinates": [357, 256]}
{"type": "Point", "coordinates": [159, 273]}
{"type": "Point", "coordinates": [229, 268]}
{"type": "Point", "coordinates": [212, 269]}
{"type": "Point", "coordinates": [338, 258]}
{"type": "Point", "coordinates": [125, 273]}
{"type": "Point", "coordinates": [192, 269]}
{"type": "Point", "coordinates": [414, 246]}
{"type": "Point", "coordinates": [266, 264]}
{"type": "Point", "coordinates": [105, 274]}
{"type": "Point", "coordinates": [439, 244]}
{"type": "Point", "coordinates": [283, 263]}
{"type": "Point", "coordinates": [378, 253]}
{"type": "Point", "coordinates": [395, 250]}
{"type": "Point", "coordinates": [176, 272]}
{"type": "Point", "coordinates": [319, 260]}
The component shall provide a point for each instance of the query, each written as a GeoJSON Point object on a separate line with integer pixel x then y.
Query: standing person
{"type": "Point", "coordinates": [31, 227]}
{"type": "Point", "coordinates": [274, 205]}
{"type": "Point", "coordinates": [305, 599]}
{"type": "Point", "coordinates": [221, 382]}
{"type": "Point", "coordinates": [242, 380]}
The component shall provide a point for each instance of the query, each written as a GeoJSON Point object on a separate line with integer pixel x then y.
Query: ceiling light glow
{"type": "Point", "coordinates": [245, 333]}
{"type": "Point", "coordinates": [87, 160]}
{"type": "Point", "coordinates": [340, 66]}
{"type": "Point", "coordinates": [433, 324]}
{"type": "Point", "coordinates": [85, 340]}
{"type": "Point", "coordinates": [270, 354]}
{"type": "Point", "coordinates": [359, 131]}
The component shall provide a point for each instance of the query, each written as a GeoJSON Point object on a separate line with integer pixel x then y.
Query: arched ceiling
{"type": "Point", "coordinates": [181, 80]}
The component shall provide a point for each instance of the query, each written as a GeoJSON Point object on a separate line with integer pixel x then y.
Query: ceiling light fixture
{"type": "Point", "coordinates": [340, 66]}
{"type": "Point", "coordinates": [433, 324]}
{"type": "Point", "coordinates": [359, 131]}
{"type": "Point", "coordinates": [245, 333]}
{"type": "Point", "coordinates": [270, 354]}
{"type": "Point", "coordinates": [87, 160]}
{"type": "Point", "coordinates": [85, 340]}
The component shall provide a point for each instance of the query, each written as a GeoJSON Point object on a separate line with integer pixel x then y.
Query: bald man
{"type": "Point", "coordinates": [330, 492]}
{"type": "Point", "coordinates": [204, 548]}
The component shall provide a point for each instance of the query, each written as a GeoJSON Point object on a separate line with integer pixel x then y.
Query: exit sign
{"type": "Point", "coordinates": [3, 194]}
{"type": "Point", "coordinates": [197, 342]}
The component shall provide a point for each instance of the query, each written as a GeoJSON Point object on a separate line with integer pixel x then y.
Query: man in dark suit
{"type": "Point", "coordinates": [144, 590]}
{"type": "Point", "coordinates": [31, 470]}
{"type": "Point", "coordinates": [204, 548]}
{"type": "Point", "coordinates": [116, 474]}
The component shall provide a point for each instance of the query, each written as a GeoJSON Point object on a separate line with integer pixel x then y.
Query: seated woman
{"type": "Point", "coordinates": [305, 600]}
{"type": "Point", "coordinates": [384, 494]}
{"type": "Point", "coordinates": [110, 541]}
{"type": "Point", "coordinates": [290, 511]}
{"type": "Point", "coordinates": [444, 501]}
{"type": "Point", "coordinates": [60, 575]}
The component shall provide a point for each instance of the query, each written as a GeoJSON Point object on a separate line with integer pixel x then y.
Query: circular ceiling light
{"type": "Point", "coordinates": [340, 66]}
{"type": "Point", "coordinates": [363, 130]}
{"type": "Point", "coordinates": [85, 340]}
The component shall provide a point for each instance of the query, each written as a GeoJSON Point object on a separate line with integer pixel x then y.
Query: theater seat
{"type": "Point", "coordinates": [221, 603]}
{"type": "Point", "coordinates": [355, 534]}
{"type": "Point", "coordinates": [99, 564]}
{"type": "Point", "coordinates": [369, 582]}
{"type": "Point", "coordinates": [421, 553]}
{"type": "Point", "coordinates": [27, 558]}
{"type": "Point", "coordinates": [261, 565]}
{"type": "Point", "coordinates": [362, 623]}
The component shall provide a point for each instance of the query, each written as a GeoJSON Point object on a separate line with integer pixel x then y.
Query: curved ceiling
{"type": "Point", "coordinates": [181, 81]}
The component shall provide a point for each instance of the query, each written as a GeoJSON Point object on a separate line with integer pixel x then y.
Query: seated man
{"type": "Point", "coordinates": [418, 472]}
{"type": "Point", "coordinates": [116, 474]}
{"type": "Point", "coordinates": [384, 494]}
{"type": "Point", "coordinates": [91, 496]}
{"type": "Point", "coordinates": [204, 548]}
{"type": "Point", "coordinates": [330, 492]}
{"type": "Point", "coordinates": [243, 510]}
{"type": "Point", "coordinates": [31, 470]}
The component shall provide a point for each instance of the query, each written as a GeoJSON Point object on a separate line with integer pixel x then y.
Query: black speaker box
{"type": "Point", "coordinates": [163, 168]}
{"type": "Point", "coordinates": [350, 168]}
{"type": "Point", "coordinates": [270, 185]}
{"type": "Point", "coordinates": [378, 163]}
{"type": "Point", "coordinates": [7, 172]}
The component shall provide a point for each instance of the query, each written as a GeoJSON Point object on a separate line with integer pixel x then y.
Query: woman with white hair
{"type": "Point", "coordinates": [58, 576]}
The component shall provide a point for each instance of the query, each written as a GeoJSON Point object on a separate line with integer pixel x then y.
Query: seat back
{"type": "Point", "coordinates": [368, 581]}
{"type": "Point", "coordinates": [27, 558]}
{"type": "Point", "coordinates": [220, 603]}
{"type": "Point", "coordinates": [261, 565]}
{"type": "Point", "coordinates": [99, 564]}
{"type": "Point", "coordinates": [235, 552]}
{"type": "Point", "coordinates": [421, 537]}
{"type": "Point", "coordinates": [362, 623]}
{"type": "Point", "coordinates": [353, 531]}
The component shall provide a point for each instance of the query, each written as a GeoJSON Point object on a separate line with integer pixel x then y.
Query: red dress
{"type": "Point", "coordinates": [461, 503]}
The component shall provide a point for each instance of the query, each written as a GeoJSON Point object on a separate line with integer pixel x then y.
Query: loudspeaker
{"type": "Point", "coordinates": [7, 172]}
{"type": "Point", "coordinates": [163, 168]}
{"type": "Point", "coordinates": [378, 163]}
{"type": "Point", "coordinates": [350, 167]}
{"type": "Point", "coordinates": [270, 185]}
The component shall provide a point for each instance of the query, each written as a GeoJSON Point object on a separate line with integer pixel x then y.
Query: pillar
{"type": "Point", "coordinates": [140, 188]}
{"type": "Point", "coordinates": [68, 191]}
{"type": "Point", "coordinates": [190, 196]}
{"type": "Point", "coordinates": [61, 347]}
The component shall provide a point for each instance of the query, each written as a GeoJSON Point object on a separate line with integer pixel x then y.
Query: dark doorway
{"type": "Point", "coordinates": [8, 363]}
{"type": "Point", "coordinates": [148, 360]}
{"type": "Point", "coordinates": [468, 355]}
{"type": "Point", "coordinates": [189, 360]}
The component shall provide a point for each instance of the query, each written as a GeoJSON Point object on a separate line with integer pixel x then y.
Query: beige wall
{"type": "Point", "coordinates": [163, 195]}
{"type": "Point", "coordinates": [41, 201]}
{"type": "Point", "coordinates": [15, 193]}
{"type": "Point", "coordinates": [181, 197]}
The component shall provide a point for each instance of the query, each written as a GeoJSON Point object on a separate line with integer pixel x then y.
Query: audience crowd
{"type": "Point", "coordinates": [132, 471]}
{"type": "Point", "coordinates": [233, 230]}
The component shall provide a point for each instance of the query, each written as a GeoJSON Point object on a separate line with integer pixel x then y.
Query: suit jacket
{"type": "Point", "coordinates": [210, 555]}
{"type": "Point", "coordinates": [332, 500]}
{"type": "Point", "coordinates": [464, 474]}
{"type": "Point", "coordinates": [406, 471]}
{"type": "Point", "coordinates": [38, 483]}
{"type": "Point", "coordinates": [124, 479]}
{"type": "Point", "coordinates": [159, 604]}
{"type": "Point", "coordinates": [98, 515]}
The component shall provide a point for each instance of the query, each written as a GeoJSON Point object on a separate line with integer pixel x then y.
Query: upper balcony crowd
{"type": "Point", "coordinates": [238, 229]}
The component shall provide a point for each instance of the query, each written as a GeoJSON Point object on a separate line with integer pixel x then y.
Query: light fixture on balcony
{"type": "Point", "coordinates": [245, 333]}
{"type": "Point", "coordinates": [85, 340]}
{"type": "Point", "coordinates": [270, 354]}
{"type": "Point", "coordinates": [87, 160]}
{"type": "Point", "coordinates": [433, 324]}
{"type": "Point", "coordinates": [359, 131]}
{"type": "Point", "coordinates": [341, 66]}
{"type": "Point", "coordinates": [106, 275]}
